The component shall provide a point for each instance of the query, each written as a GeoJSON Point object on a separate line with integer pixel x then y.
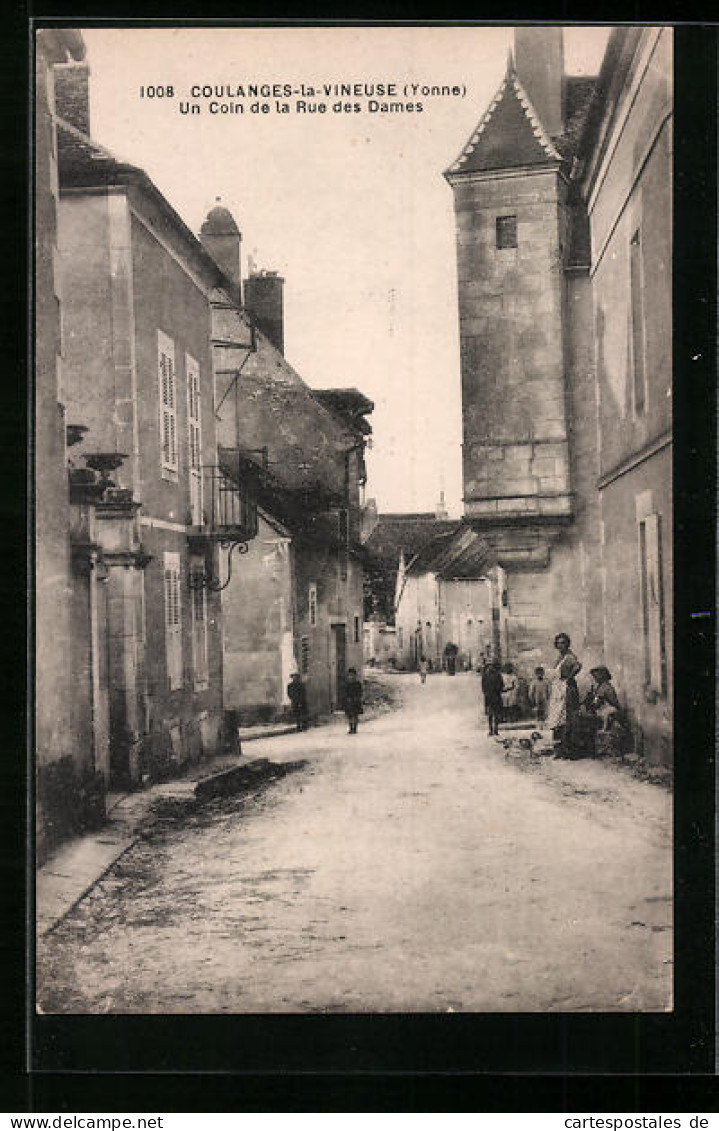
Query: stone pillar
{"type": "Point", "coordinates": [125, 560]}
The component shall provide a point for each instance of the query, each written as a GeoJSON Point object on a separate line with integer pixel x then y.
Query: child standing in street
{"type": "Point", "coordinates": [539, 694]}
{"type": "Point", "coordinates": [297, 695]}
{"type": "Point", "coordinates": [353, 700]}
{"type": "Point", "coordinates": [492, 690]}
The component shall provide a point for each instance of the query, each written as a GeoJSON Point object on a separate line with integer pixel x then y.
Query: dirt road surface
{"type": "Point", "coordinates": [412, 867]}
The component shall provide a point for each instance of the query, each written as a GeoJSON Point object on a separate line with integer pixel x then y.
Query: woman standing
{"type": "Point", "coordinates": [509, 693]}
{"type": "Point", "coordinates": [564, 697]}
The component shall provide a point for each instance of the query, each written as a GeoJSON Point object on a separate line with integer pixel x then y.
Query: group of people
{"type": "Point", "coordinates": [353, 706]}
{"type": "Point", "coordinates": [579, 727]}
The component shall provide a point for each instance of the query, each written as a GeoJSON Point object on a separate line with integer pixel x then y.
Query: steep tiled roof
{"type": "Point", "coordinates": [350, 405]}
{"type": "Point", "coordinates": [406, 532]}
{"type": "Point", "coordinates": [509, 134]}
{"type": "Point", "coordinates": [82, 161]}
{"type": "Point", "coordinates": [458, 553]}
{"type": "Point", "coordinates": [428, 554]}
{"type": "Point", "coordinates": [578, 94]}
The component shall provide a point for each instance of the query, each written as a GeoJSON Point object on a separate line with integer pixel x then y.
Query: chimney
{"type": "Point", "coordinates": [220, 236]}
{"type": "Point", "coordinates": [264, 301]}
{"type": "Point", "coordinates": [539, 63]}
{"type": "Point", "coordinates": [440, 510]}
{"type": "Point", "coordinates": [72, 94]}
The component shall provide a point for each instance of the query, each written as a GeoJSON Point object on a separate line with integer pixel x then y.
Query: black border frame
{"type": "Point", "coordinates": [193, 1062]}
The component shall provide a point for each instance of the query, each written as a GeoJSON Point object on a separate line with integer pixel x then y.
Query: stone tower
{"type": "Point", "coordinates": [517, 237]}
{"type": "Point", "coordinates": [220, 236]}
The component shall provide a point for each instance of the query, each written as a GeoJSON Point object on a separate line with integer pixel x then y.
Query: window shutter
{"type": "Point", "coordinates": [173, 620]}
{"type": "Point", "coordinates": [654, 603]}
{"type": "Point", "coordinates": [194, 428]}
{"type": "Point", "coordinates": [168, 401]}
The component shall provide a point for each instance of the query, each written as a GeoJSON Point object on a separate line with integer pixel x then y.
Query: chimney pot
{"type": "Point", "coordinates": [539, 65]}
{"type": "Point", "coordinates": [264, 301]}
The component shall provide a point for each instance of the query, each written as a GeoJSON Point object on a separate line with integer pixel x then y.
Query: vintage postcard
{"type": "Point", "coordinates": [354, 552]}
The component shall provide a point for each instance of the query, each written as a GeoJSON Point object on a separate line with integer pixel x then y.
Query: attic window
{"type": "Point", "coordinates": [506, 232]}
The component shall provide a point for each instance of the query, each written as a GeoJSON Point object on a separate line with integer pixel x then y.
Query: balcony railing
{"type": "Point", "coordinates": [229, 509]}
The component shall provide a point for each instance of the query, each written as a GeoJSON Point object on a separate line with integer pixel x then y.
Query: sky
{"type": "Point", "coordinates": [351, 208]}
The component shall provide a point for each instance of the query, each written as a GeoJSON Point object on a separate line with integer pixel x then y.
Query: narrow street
{"type": "Point", "coordinates": [412, 867]}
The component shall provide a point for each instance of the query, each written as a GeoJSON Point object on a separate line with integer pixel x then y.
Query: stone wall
{"type": "Point", "coordinates": [63, 717]}
{"type": "Point", "coordinates": [257, 613]}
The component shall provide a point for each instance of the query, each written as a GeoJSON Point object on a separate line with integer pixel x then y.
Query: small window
{"type": "Point", "coordinates": [305, 655]}
{"type": "Point", "coordinates": [506, 231]}
{"type": "Point", "coordinates": [357, 630]}
{"type": "Point", "coordinates": [312, 601]}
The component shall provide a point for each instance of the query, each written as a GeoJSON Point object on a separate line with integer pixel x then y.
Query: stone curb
{"type": "Point", "coordinates": [250, 734]}
{"type": "Point", "coordinates": [69, 876]}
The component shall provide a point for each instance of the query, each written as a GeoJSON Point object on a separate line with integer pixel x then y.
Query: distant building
{"type": "Point", "coordinates": [563, 216]}
{"type": "Point", "coordinates": [449, 594]}
{"type": "Point", "coordinates": [428, 585]}
{"type": "Point", "coordinates": [393, 536]}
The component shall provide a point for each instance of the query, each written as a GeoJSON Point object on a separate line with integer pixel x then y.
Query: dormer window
{"type": "Point", "coordinates": [506, 232]}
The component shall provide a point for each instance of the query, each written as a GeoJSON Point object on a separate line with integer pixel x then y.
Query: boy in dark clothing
{"type": "Point", "coordinates": [539, 694]}
{"type": "Point", "coordinates": [353, 699]}
{"type": "Point", "coordinates": [492, 685]}
{"type": "Point", "coordinates": [297, 694]}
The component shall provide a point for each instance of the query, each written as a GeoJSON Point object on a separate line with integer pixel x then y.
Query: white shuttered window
{"type": "Point", "coordinates": [168, 402]}
{"type": "Point", "coordinates": [194, 439]}
{"type": "Point", "coordinates": [173, 620]}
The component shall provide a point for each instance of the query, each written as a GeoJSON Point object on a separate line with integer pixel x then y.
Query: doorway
{"type": "Point", "coordinates": [338, 660]}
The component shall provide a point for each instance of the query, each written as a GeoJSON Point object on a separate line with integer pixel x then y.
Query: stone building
{"type": "Point", "coordinates": [194, 450]}
{"type": "Point", "coordinates": [563, 222]}
{"type": "Point", "coordinates": [295, 599]}
{"type": "Point", "coordinates": [138, 380]}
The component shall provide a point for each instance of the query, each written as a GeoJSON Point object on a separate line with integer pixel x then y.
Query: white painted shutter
{"type": "Point", "coordinates": [168, 401]}
{"type": "Point", "coordinates": [173, 620]}
{"type": "Point", "coordinates": [194, 438]}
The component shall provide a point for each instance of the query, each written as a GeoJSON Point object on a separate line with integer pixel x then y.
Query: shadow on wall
{"type": "Point", "coordinates": [68, 802]}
